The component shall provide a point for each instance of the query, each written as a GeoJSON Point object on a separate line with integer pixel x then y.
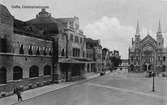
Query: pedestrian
{"type": "Point", "coordinates": [17, 91]}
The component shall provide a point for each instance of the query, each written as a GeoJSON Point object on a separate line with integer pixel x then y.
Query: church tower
{"type": "Point", "coordinates": [160, 39]}
{"type": "Point", "coordinates": [137, 36]}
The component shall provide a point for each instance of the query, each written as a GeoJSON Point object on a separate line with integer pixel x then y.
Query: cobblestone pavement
{"type": "Point", "coordinates": [117, 88]}
{"type": "Point", "coordinates": [29, 94]}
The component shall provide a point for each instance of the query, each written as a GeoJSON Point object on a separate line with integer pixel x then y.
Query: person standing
{"type": "Point", "coordinates": [17, 91]}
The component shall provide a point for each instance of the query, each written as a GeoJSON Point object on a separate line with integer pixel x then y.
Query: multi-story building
{"type": "Point", "coordinates": [38, 51]}
{"type": "Point", "coordinates": [25, 53]}
{"type": "Point", "coordinates": [73, 65]}
{"type": "Point", "coordinates": [94, 55]}
{"type": "Point", "coordinates": [148, 54]}
{"type": "Point", "coordinates": [106, 59]}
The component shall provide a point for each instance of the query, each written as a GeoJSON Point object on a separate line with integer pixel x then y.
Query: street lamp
{"type": "Point", "coordinates": [153, 85]}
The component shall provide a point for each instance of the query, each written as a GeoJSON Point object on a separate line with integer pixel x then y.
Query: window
{"type": "Point", "coordinates": [38, 51]}
{"type": "Point", "coordinates": [83, 54]}
{"type": "Point", "coordinates": [76, 52]}
{"type": "Point", "coordinates": [76, 39]}
{"type": "Point", "coordinates": [73, 51]}
{"type": "Point", "coordinates": [44, 51]}
{"type": "Point", "coordinates": [21, 51]}
{"type": "Point", "coordinates": [164, 58]}
{"type": "Point", "coordinates": [3, 45]}
{"type": "Point", "coordinates": [71, 37]}
{"type": "Point", "coordinates": [50, 52]}
{"type": "Point", "coordinates": [30, 50]}
{"type": "Point", "coordinates": [34, 71]}
{"type": "Point", "coordinates": [132, 59]}
{"type": "Point", "coordinates": [47, 70]}
{"type": "Point", "coordinates": [17, 73]}
{"type": "Point", "coordinates": [2, 75]}
{"type": "Point", "coordinates": [80, 40]}
{"type": "Point", "coordinates": [158, 58]}
{"type": "Point", "coordinates": [62, 52]}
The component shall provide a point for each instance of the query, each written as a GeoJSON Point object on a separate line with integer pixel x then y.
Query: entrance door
{"type": "Point", "coordinates": [64, 69]}
{"type": "Point", "coordinates": [2, 76]}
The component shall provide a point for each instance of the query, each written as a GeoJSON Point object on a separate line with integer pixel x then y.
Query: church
{"type": "Point", "coordinates": [148, 54]}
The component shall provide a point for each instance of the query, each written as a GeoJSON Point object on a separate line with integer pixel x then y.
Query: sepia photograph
{"type": "Point", "coordinates": [83, 52]}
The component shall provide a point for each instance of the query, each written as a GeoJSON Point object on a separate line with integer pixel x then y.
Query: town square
{"type": "Point", "coordinates": [69, 52]}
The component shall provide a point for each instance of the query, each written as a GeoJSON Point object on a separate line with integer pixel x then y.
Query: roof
{"type": "Point", "coordinates": [92, 43]}
{"type": "Point", "coordinates": [148, 37]}
{"type": "Point", "coordinates": [44, 21]}
{"type": "Point", "coordinates": [4, 11]}
{"type": "Point", "coordinates": [22, 28]}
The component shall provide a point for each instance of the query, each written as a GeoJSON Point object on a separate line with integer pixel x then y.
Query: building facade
{"type": "Point", "coordinates": [25, 54]}
{"type": "Point", "coordinates": [148, 54]}
{"type": "Point", "coordinates": [40, 51]}
{"type": "Point", "coordinates": [124, 64]}
{"type": "Point", "coordinates": [107, 65]}
{"type": "Point", "coordinates": [93, 55]}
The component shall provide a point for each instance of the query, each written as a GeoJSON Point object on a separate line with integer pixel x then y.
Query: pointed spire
{"type": "Point", "coordinates": [159, 27]}
{"type": "Point", "coordinates": [137, 28]}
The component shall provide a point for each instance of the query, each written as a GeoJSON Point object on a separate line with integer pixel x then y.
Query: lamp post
{"type": "Point", "coordinates": [153, 87]}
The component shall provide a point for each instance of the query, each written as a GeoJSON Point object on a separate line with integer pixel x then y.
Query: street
{"type": "Point", "coordinates": [117, 88]}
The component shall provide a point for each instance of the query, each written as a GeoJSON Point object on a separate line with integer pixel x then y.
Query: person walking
{"type": "Point", "coordinates": [17, 91]}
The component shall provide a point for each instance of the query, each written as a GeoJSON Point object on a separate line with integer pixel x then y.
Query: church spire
{"type": "Point", "coordinates": [159, 27]}
{"type": "Point", "coordinates": [137, 28]}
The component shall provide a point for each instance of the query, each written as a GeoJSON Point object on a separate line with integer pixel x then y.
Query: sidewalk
{"type": "Point", "coordinates": [42, 90]}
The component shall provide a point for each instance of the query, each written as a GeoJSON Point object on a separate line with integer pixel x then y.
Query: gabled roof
{"type": "Point", "coordinates": [148, 38]}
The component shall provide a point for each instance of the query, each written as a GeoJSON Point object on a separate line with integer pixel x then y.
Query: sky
{"type": "Point", "coordinates": [111, 21]}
